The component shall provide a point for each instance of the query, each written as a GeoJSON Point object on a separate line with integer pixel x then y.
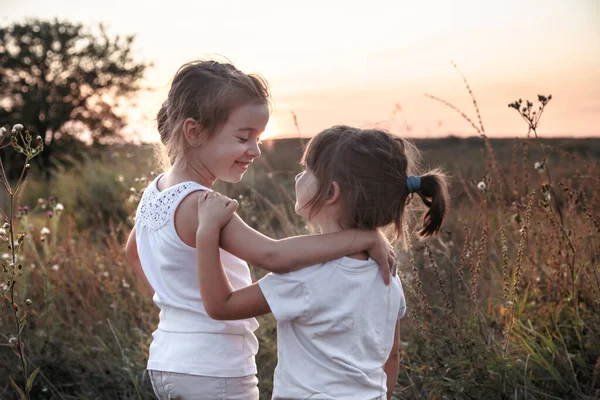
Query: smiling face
{"type": "Point", "coordinates": [227, 154]}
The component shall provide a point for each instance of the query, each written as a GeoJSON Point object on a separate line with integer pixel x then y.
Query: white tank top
{"type": "Point", "coordinates": [187, 340]}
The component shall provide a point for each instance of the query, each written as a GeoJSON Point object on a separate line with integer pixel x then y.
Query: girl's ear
{"type": "Point", "coordinates": [194, 133]}
{"type": "Point", "coordinates": [334, 194]}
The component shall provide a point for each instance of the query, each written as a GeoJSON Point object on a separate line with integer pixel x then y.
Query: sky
{"type": "Point", "coordinates": [368, 63]}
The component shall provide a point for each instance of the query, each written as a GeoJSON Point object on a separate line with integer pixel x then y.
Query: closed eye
{"type": "Point", "coordinates": [244, 140]}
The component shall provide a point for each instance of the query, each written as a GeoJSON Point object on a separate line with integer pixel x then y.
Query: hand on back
{"type": "Point", "coordinates": [384, 254]}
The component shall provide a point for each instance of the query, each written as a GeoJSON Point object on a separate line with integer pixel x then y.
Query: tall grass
{"type": "Point", "coordinates": [503, 305]}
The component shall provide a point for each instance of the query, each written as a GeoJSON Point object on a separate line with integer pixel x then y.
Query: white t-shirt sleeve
{"type": "Point", "coordinates": [402, 309]}
{"type": "Point", "coordinates": [287, 296]}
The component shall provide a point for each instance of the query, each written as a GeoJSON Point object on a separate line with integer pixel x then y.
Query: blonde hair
{"type": "Point", "coordinates": [207, 91]}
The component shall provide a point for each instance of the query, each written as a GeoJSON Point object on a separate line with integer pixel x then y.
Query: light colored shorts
{"type": "Point", "coordinates": [174, 386]}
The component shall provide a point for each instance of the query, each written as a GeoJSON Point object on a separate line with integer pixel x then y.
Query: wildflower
{"type": "Point", "coordinates": [3, 287]}
{"type": "Point", "coordinates": [539, 166]}
{"type": "Point", "coordinates": [45, 231]}
{"type": "Point", "coordinates": [3, 132]}
{"type": "Point", "coordinates": [545, 187]}
{"type": "Point", "coordinates": [105, 274]}
{"type": "Point", "coordinates": [49, 214]}
{"type": "Point", "coordinates": [12, 340]}
{"type": "Point", "coordinates": [120, 178]}
{"type": "Point", "coordinates": [38, 138]}
{"type": "Point", "coordinates": [270, 175]}
{"type": "Point", "coordinates": [59, 207]}
{"type": "Point", "coordinates": [5, 256]}
{"type": "Point", "coordinates": [6, 225]}
{"type": "Point", "coordinates": [55, 267]}
{"type": "Point", "coordinates": [17, 128]}
{"type": "Point", "coordinates": [546, 195]}
{"type": "Point", "coordinates": [32, 265]}
{"type": "Point", "coordinates": [28, 302]}
{"type": "Point", "coordinates": [2, 232]}
{"type": "Point", "coordinates": [481, 186]}
{"type": "Point", "coordinates": [125, 284]}
{"type": "Point", "coordinates": [25, 209]}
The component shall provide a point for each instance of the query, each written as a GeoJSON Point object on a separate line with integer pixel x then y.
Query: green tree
{"type": "Point", "coordinates": [65, 82]}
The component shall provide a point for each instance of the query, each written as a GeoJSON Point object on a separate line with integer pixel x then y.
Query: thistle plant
{"type": "Point", "coordinates": [22, 142]}
{"type": "Point", "coordinates": [532, 117]}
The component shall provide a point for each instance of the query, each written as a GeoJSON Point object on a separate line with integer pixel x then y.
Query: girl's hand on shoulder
{"type": "Point", "coordinates": [383, 253]}
{"type": "Point", "coordinates": [214, 211]}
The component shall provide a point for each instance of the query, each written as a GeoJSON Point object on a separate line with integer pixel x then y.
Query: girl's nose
{"type": "Point", "coordinates": [254, 150]}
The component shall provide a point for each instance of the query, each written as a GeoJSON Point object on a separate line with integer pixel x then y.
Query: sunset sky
{"type": "Point", "coordinates": [350, 62]}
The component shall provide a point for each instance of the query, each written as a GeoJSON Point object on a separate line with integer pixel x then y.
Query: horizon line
{"type": "Point", "coordinates": [459, 136]}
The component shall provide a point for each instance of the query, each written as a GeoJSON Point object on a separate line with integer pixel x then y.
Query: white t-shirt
{"type": "Point", "coordinates": [335, 329]}
{"type": "Point", "coordinates": [187, 340]}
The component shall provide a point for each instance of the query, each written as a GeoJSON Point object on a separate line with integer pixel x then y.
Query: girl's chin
{"type": "Point", "coordinates": [232, 178]}
{"type": "Point", "coordinates": [300, 212]}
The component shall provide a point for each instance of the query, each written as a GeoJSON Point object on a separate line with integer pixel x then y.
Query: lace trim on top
{"type": "Point", "coordinates": [157, 207]}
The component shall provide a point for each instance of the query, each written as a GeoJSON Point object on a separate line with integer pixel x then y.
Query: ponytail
{"type": "Point", "coordinates": [435, 195]}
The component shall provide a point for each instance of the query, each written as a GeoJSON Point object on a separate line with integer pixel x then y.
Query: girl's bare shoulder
{"type": "Point", "coordinates": [186, 218]}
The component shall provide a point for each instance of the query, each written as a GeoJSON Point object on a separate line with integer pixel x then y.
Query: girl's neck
{"type": "Point", "coordinates": [182, 171]}
{"type": "Point", "coordinates": [333, 225]}
{"type": "Point", "coordinates": [330, 225]}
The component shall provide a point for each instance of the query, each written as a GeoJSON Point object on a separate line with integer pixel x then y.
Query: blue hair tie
{"type": "Point", "coordinates": [413, 183]}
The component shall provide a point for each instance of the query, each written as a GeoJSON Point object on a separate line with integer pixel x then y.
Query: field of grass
{"type": "Point", "coordinates": [505, 304]}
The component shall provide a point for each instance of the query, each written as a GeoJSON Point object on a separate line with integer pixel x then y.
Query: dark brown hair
{"type": "Point", "coordinates": [371, 167]}
{"type": "Point", "coordinates": [208, 91]}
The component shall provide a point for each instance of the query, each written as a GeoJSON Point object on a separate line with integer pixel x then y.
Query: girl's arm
{"type": "Point", "coordinates": [220, 301]}
{"type": "Point", "coordinates": [287, 254]}
{"type": "Point", "coordinates": [392, 364]}
{"type": "Point", "coordinates": [296, 252]}
{"type": "Point", "coordinates": [218, 297]}
{"type": "Point", "coordinates": [134, 260]}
